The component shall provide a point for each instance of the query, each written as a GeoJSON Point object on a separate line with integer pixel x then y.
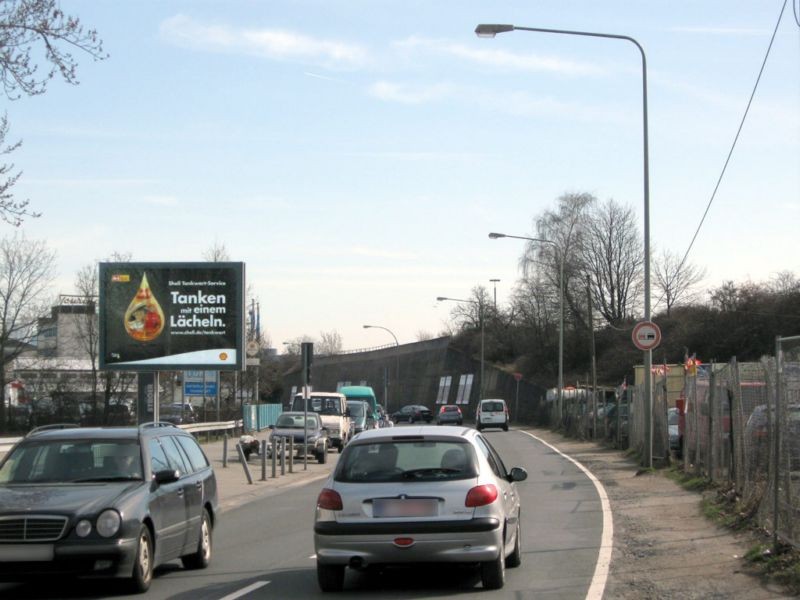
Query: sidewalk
{"type": "Point", "coordinates": [232, 485]}
{"type": "Point", "coordinates": [664, 547]}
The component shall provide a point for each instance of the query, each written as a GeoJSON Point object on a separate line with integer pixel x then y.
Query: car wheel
{"type": "Point", "coordinates": [340, 448]}
{"type": "Point", "coordinates": [246, 452]}
{"type": "Point", "coordinates": [505, 427]}
{"type": "Point", "coordinates": [330, 577]}
{"type": "Point", "coordinates": [515, 558]}
{"type": "Point", "coordinates": [202, 557]}
{"type": "Point", "coordinates": [322, 456]}
{"type": "Point", "coordinates": [493, 572]}
{"type": "Point", "coordinates": [143, 565]}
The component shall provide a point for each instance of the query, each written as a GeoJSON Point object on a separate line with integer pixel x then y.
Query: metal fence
{"type": "Point", "coordinates": [741, 430]}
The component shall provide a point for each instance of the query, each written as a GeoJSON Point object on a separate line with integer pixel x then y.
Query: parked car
{"type": "Point", "coordinates": [177, 414]}
{"type": "Point", "coordinates": [437, 494]}
{"type": "Point", "coordinates": [492, 412]}
{"type": "Point", "coordinates": [360, 416]}
{"type": "Point", "coordinates": [412, 413]}
{"type": "Point", "coordinates": [449, 413]}
{"type": "Point", "coordinates": [105, 502]}
{"type": "Point", "coordinates": [332, 409]}
{"type": "Point", "coordinates": [295, 426]}
{"type": "Point", "coordinates": [615, 424]}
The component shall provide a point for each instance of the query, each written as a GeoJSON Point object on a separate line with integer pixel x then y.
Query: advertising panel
{"type": "Point", "coordinates": [171, 316]}
{"type": "Point", "coordinates": [193, 382]}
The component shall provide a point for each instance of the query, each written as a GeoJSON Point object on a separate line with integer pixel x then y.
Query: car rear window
{"type": "Point", "coordinates": [492, 407]}
{"type": "Point", "coordinates": [406, 461]}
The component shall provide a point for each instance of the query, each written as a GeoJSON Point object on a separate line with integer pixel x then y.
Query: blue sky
{"type": "Point", "coordinates": [355, 154]}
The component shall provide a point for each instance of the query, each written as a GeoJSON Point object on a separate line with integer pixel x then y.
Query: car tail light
{"type": "Point", "coordinates": [404, 542]}
{"type": "Point", "coordinates": [441, 410]}
{"type": "Point", "coordinates": [481, 495]}
{"type": "Point", "coordinates": [329, 499]}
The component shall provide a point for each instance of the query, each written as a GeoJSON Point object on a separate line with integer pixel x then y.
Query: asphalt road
{"type": "Point", "coordinates": [264, 549]}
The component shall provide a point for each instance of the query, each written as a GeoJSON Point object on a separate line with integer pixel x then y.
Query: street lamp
{"type": "Point", "coordinates": [490, 30]}
{"type": "Point", "coordinates": [397, 374]}
{"type": "Point", "coordinates": [480, 317]}
{"type": "Point", "coordinates": [495, 282]}
{"type": "Point", "coordinates": [495, 236]}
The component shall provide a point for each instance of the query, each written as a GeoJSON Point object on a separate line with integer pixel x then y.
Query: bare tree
{"type": "Point", "coordinates": [330, 342]}
{"type": "Point", "coordinates": [785, 282]}
{"type": "Point", "coordinates": [468, 313]}
{"type": "Point", "coordinates": [27, 268]}
{"type": "Point", "coordinates": [217, 252]}
{"type": "Point", "coordinates": [32, 30]}
{"type": "Point", "coordinates": [563, 228]}
{"type": "Point", "coordinates": [423, 335]}
{"type": "Point", "coordinates": [612, 256]}
{"type": "Point", "coordinates": [675, 280]}
{"type": "Point", "coordinates": [88, 331]}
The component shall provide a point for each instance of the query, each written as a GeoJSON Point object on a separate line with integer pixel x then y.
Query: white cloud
{"type": "Point", "coordinates": [161, 200]}
{"type": "Point", "coordinates": [274, 44]}
{"type": "Point", "coordinates": [501, 58]}
{"type": "Point", "coordinates": [409, 94]}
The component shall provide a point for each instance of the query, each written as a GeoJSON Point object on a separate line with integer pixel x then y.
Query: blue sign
{"type": "Point", "coordinates": [195, 388]}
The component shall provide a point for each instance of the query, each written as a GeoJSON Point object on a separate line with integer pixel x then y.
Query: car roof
{"type": "Point", "coordinates": [357, 390]}
{"type": "Point", "coordinates": [107, 433]}
{"type": "Point", "coordinates": [320, 395]}
{"type": "Point", "coordinates": [299, 413]}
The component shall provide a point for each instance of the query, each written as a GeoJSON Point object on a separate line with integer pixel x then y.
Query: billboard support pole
{"type": "Point", "coordinates": [156, 407]}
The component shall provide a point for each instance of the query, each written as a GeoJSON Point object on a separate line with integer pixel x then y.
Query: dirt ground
{"type": "Point", "coordinates": [663, 545]}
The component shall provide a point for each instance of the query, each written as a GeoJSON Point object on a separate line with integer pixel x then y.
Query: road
{"type": "Point", "coordinates": [266, 546]}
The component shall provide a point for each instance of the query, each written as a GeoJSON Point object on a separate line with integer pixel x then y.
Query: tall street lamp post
{"type": "Point", "coordinates": [491, 30]}
{"type": "Point", "coordinates": [397, 372]}
{"type": "Point", "coordinates": [495, 236]}
{"type": "Point", "coordinates": [495, 282]}
{"type": "Point", "coordinates": [480, 318]}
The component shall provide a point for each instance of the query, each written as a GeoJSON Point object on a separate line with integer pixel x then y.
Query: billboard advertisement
{"type": "Point", "coordinates": [171, 316]}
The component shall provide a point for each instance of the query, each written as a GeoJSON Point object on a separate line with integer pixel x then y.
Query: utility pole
{"type": "Point", "coordinates": [594, 356]}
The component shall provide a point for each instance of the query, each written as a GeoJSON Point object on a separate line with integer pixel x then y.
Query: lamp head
{"type": "Point", "coordinates": [367, 326]}
{"type": "Point", "coordinates": [489, 31]}
{"type": "Point", "coordinates": [440, 298]}
{"type": "Point", "coordinates": [495, 236]}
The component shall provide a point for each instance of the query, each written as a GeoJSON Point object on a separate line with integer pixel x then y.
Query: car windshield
{"type": "Point", "coordinates": [320, 404]}
{"type": "Point", "coordinates": [356, 409]}
{"type": "Point", "coordinates": [418, 460]}
{"type": "Point", "coordinates": [295, 422]}
{"type": "Point", "coordinates": [72, 461]}
{"type": "Point", "coordinates": [492, 406]}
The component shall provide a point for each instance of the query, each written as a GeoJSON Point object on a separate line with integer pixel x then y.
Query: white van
{"type": "Point", "coordinates": [492, 412]}
{"type": "Point", "coordinates": [332, 409]}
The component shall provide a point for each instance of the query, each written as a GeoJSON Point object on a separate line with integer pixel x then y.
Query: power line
{"type": "Point", "coordinates": [738, 132]}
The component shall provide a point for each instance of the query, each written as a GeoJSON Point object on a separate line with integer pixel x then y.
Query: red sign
{"type": "Point", "coordinates": [518, 376]}
{"type": "Point", "coordinates": [646, 335]}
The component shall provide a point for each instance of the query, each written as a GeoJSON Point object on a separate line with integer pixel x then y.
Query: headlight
{"type": "Point", "coordinates": [108, 523]}
{"type": "Point", "coordinates": [83, 528]}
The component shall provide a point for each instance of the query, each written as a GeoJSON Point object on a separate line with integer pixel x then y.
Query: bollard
{"type": "Point", "coordinates": [245, 466]}
{"type": "Point", "coordinates": [291, 454]}
{"type": "Point", "coordinates": [274, 455]}
{"type": "Point", "coordinates": [225, 451]}
{"type": "Point", "coordinates": [263, 460]}
{"type": "Point", "coordinates": [283, 456]}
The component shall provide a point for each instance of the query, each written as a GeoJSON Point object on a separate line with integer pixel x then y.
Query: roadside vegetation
{"type": "Point", "coordinates": [780, 564]}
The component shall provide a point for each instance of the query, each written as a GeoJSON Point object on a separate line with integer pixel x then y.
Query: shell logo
{"type": "Point", "coordinates": [223, 356]}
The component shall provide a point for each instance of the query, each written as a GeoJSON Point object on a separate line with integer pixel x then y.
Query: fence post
{"type": "Point", "coordinates": [777, 437]}
{"type": "Point", "coordinates": [712, 397]}
{"type": "Point", "coordinates": [225, 451]}
{"type": "Point", "coordinates": [274, 456]}
{"type": "Point", "coordinates": [291, 454]}
{"type": "Point", "coordinates": [263, 460]}
{"type": "Point", "coordinates": [244, 464]}
{"type": "Point", "coordinates": [283, 456]}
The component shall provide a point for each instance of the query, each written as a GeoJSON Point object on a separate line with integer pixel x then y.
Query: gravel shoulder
{"type": "Point", "coordinates": [663, 545]}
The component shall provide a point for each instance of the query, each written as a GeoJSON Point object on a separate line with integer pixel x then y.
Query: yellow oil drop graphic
{"type": "Point", "coordinates": [144, 319]}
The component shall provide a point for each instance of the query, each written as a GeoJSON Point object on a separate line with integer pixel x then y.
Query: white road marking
{"type": "Point", "coordinates": [312, 557]}
{"type": "Point", "coordinates": [244, 591]}
{"type": "Point", "coordinates": [600, 577]}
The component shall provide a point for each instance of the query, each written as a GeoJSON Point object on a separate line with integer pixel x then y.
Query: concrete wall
{"type": "Point", "coordinates": [421, 365]}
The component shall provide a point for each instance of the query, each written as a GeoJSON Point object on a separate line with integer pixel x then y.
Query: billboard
{"type": "Point", "coordinates": [171, 316]}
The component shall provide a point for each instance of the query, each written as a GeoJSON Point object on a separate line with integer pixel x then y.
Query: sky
{"type": "Point", "coordinates": [355, 154]}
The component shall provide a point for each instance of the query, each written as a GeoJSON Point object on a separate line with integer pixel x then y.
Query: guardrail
{"type": "Point", "coordinates": [7, 443]}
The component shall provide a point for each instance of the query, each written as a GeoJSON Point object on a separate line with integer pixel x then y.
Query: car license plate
{"type": "Point", "coordinates": [404, 507]}
{"type": "Point", "coordinates": [26, 552]}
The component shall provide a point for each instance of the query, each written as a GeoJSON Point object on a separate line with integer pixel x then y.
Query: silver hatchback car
{"type": "Point", "coordinates": [422, 494]}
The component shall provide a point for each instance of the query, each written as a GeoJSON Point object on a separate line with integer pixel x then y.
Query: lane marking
{"type": "Point", "coordinates": [312, 557]}
{"type": "Point", "coordinates": [600, 577]}
{"type": "Point", "coordinates": [244, 591]}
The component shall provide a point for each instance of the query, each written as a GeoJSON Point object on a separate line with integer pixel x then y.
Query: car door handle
{"type": "Point", "coordinates": [180, 491]}
{"type": "Point", "coordinates": [199, 485]}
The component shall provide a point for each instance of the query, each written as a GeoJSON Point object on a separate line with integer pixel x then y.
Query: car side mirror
{"type": "Point", "coordinates": [272, 426]}
{"type": "Point", "coordinates": [167, 476]}
{"type": "Point", "coordinates": [518, 474]}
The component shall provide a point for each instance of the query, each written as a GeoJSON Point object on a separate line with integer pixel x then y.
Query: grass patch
{"type": "Point", "coordinates": [688, 481]}
{"type": "Point", "coordinates": [781, 565]}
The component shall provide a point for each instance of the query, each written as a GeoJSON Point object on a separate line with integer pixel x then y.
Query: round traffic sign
{"type": "Point", "coordinates": [646, 335]}
{"type": "Point", "coordinates": [252, 348]}
{"type": "Point", "coordinates": [518, 376]}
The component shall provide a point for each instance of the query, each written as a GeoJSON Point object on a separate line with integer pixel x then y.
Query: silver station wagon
{"type": "Point", "coordinates": [422, 494]}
